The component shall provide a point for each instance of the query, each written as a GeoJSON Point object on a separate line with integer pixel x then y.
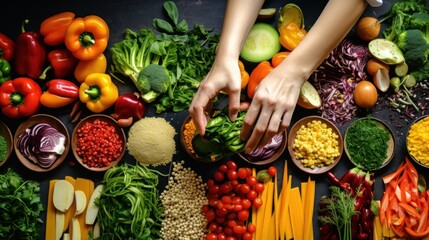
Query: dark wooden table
{"type": "Point", "coordinates": [136, 14]}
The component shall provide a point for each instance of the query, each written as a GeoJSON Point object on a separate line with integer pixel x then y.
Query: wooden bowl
{"type": "Point", "coordinates": [409, 142]}
{"type": "Point", "coordinates": [111, 122]}
{"type": "Point", "coordinates": [7, 135]}
{"type": "Point", "coordinates": [185, 144]}
{"type": "Point", "coordinates": [28, 123]}
{"type": "Point", "coordinates": [390, 144]}
{"type": "Point", "coordinates": [292, 135]}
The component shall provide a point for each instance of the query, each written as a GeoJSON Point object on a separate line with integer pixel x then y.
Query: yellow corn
{"type": "Point", "coordinates": [316, 145]}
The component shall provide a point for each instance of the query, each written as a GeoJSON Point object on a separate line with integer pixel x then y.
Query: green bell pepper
{"type": "Point", "coordinates": [5, 71]}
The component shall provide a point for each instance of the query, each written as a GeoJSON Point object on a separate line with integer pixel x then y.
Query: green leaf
{"type": "Point", "coordinates": [162, 25]}
{"type": "Point", "coordinates": [172, 11]}
{"type": "Point", "coordinates": [182, 27]}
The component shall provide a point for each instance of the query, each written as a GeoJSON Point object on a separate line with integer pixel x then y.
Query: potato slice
{"type": "Point", "coordinates": [80, 199]}
{"type": "Point", "coordinates": [63, 195]}
{"type": "Point", "coordinates": [92, 210]}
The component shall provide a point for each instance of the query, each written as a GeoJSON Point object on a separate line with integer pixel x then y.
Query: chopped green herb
{"type": "Point", "coordinates": [20, 207]}
{"type": "Point", "coordinates": [366, 142]}
{"type": "Point", "coordinates": [3, 149]}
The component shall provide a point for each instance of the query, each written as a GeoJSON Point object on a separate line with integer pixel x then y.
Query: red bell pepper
{"type": "Point", "coordinates": [7, 47]}
{"type": "Point", "coordinates": [62, 62]}
{"type": "Point", "coordinates": [128, 106]}
{"type": "Point", "coordinates": [20, 97]}
{"type": "Point", "coordinates": [59, 93]}
{"type": "Point", "coordinates": [30, 54]}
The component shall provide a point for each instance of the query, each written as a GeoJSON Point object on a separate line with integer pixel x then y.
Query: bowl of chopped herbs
{"type": "Point", "coordinates": [369, 143]}
{"type": "Point", "coordinates": [418, 141]}
{"type": "Point", "coordinates": [6, 143]}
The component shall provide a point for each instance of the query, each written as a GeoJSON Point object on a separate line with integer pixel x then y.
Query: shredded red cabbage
{"type": "Point", "coordinates": [336, 78]}
{"type": "Point", "coordinates": [267, 151]}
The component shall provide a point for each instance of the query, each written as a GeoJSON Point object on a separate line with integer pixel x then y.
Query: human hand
{"type": "Point", "coordinates": [223, 76]}
{"type": "Point", "coordinates": [271, 109]}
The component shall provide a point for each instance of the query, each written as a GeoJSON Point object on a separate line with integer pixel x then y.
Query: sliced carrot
{"type": "Point", "coordinates": [410, 210]}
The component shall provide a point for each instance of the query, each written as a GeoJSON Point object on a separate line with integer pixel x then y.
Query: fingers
{"type": "Point", "coordinates": [201, 104]}
{"type": "Point", "coordinates": [234, 104]}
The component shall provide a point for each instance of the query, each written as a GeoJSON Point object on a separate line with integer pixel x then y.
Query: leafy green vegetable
{"type": "Point", "coordinates": [187, 54]}
{"type": "Point", "coordinates": [129, 205]}
{"type": "Point", "coordinates": [340, 208]}
{"type": "Point", "coordinates": [400, 16]}
{"type": "Point", "coordinates": [366, 142]}
{"type": "Point", "coordinates": [20, 207]}
{"type": "Point", "coordinates": [3, 148]}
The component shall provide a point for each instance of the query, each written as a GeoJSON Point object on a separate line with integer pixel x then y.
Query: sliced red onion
{"type": "Point", "coordinates": [42, 144]}
{"type": "Point", "coordinates": [260, 154]}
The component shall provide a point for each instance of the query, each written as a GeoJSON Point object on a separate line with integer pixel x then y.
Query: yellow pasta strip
{"type": "Point", "coordinates": [276, 213]}
{"type": "Point", "coordinates": [271, 228]}
{"type": "Point", "coordinates": [254, 219]}
{"type": "Point", "coordinates": [260, 212]}
{"type": "Point", "coordinates": [287, 217]}
{"type": "Point", "coordinates": [268, 209]}
{"type": "Point", "coordinates": [303, 194]}
{"type": "Point", "coordinates": [377, 228]}
{"type": "Point", "coordinates": [282, 204]}
{"type": "Point", "coordinates": [308, 209]}
{"type": "Point", "coordinates": [296, 214]}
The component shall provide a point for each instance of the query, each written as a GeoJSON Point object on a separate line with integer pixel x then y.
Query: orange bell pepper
{"type": "Point", "coordinates": [278, 58]}
{"type": "Point", "coordinates": [244, 74]}
{"type": "Point", "coordinates": [53, 29]}
{"type": "Point", "coordinates": [259, 73]}
{"type": "Point", "coordinates": [291, 35]}
{"type": "Point", "coordinates": [87, 37]}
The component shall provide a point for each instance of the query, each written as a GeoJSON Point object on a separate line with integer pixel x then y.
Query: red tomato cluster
{"type": "Point", "coordinates": [231, 192]}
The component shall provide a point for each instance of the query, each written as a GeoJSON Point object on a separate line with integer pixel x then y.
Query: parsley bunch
{"type": "Point", "coordinates": [20, 207]}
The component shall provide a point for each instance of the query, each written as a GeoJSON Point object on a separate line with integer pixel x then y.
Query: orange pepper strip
{"type": "Point", "coordinates": [53, 28]}
{"type": "Point", "coordinates": [291, 35]}
{"type": "Point", "coordinates": [87, 37]}
{"type": "Point", "coordinates": [278, 58]}
{"type": "Point", "coordinates": [416, 234]}
{"type": "Point", "coordinates": [244, 74]}
{"type": "Point", "coordinates": [410, 210]}
{"type": "Point", "coordinates": [259, 73]}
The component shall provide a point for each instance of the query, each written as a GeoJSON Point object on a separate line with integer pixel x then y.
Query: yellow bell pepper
{"type": "Point", "coordinates": [291, 35]}
{"type": "Point", "coordinates": [87, 37]}
{"type": "Point", "coordinates": [84, 68]}
{"type": "Point", "coordinates": [98, 92]}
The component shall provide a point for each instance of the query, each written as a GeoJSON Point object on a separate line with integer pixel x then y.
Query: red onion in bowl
{"type": "Point", "coordinates": [266, 151]}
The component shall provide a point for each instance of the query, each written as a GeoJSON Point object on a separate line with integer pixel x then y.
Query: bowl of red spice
{"type": "Point", "coordinates": [6, 143]}
{"type": "Point", "coordinates": [418, 141]}
{"type": "Point", "coordinates": [98, 142]}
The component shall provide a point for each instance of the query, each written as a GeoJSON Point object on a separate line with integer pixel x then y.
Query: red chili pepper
{"type": "Point", "coordinates": [334, 180]}
{"type": "Point", "coordinates": [30, 54]}
{"type": "Point", "coordinates": [129, 105]}
{"type": "Point", "coordinates": [62, 62]}
{"type": "Point", "coordinates": [7, 47]}
{"type": "Point", "coordinates": [20, 97]}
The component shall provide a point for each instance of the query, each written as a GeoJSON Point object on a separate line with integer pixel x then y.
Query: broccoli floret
{"type": "Point", "coordinates": [422, 73]}
{"type": "Point", "coordinates": [419, 20]}
{"type": "Point", "coordinates": [152, 81]}
{"type": "Point", "coordinates": [415, 47]}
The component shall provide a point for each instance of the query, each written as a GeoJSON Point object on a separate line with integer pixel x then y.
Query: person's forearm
{"type": "Point", "coordinates": [240, 15]}
{"type": "Point", "coordinates": [329, 30]}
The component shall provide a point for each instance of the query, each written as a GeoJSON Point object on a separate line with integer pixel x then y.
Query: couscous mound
{"type": "Point", "coordinates": [151, 141]}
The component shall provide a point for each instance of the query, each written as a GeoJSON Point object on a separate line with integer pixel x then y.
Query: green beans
{"type": "Point", "coordinates": [129, 204]}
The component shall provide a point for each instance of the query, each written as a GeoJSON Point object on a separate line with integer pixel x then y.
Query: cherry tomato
{"type": "Point", "coordinates": [236, 200]}
{"type": "Point", "coordinates": [228, 230]}
{"type": "Point", "coordinates": [223, 168]}
{"type": "Point", "coordinates": [257, 202]}
{"type": "Point", "coordinates": [231, 165]}
{"type": "Point", "coordinates": [213, 202]}
{"type": "Point", "coordinates": [244, 188]}
{"type": "Point", "coordinates": [226, 199]}
{"type": "Point", "coordinates": [246, 203]}
{"type": "Point", "coordinates": [210, 215]}
{"type": "Point", "coordinates": [231, 216]}
{"type": "Point", "coordinates": [232, 223]}
{"type": "Point", "coordinates": [251, 228]}
{"type": "Point", "coordinates": [231, 237]}
{"type": "Point", "coordinates": [243, 215]}
{"type": "Point", "coordinates": [211, 236]}
{"type": "Point", "coordinates": [246, 236]}
{"type": "Point", "coordinates": [242, 173]}
{"type": "Point", "coordinates": [251, 180]}
{"type": "Point", "coordinates": [238, 207]}
{"type": "Point", "coordinates": [221, 212]}
{"type": "Point", "coordinates": [252, 195]}
{"type": "Point", "coordinates": [232, 174]}
{"type": "Point", "coordinates": [210, 183]}
{"type": "Point", "coordinates": [221, 236]}
{"type": "Point", "coordinates": [239, 229]}
{"type": "Point", "coordinates": [213, 189]}
{"type": "Point", "coordinates": [213, 226]}
{"type": "Point", "coordinates": [220, 220]}
{"type": "Point", "coordinates": [205, 209]}
{"type": "Point", "coordinates": [225, 188]}
{"type": "Point", "coordinates": [272, 171]}
{"type": "Point", "coordinates": [259, 187]}
{"type": "Point", "coordinates": [219, 176]}
{"type": "Point", "coordinates": [249, 171]}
